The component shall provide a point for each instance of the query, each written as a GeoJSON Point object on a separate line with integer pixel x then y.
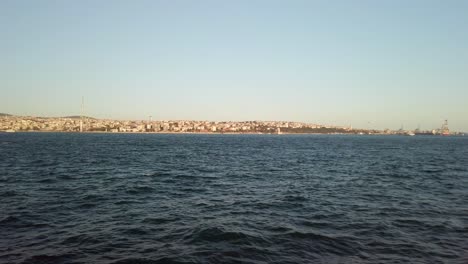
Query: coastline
{"type": "Point", "coordinates": [218, 133]}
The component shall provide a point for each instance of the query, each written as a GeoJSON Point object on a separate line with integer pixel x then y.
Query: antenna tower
{"type": "Point", "coordinates": [81, 114]}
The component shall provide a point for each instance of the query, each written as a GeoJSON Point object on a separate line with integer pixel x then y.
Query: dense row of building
{"type": "Point", "coordinates": [73, 124]}
{"type": "Point", "coordinates": [76, 124]}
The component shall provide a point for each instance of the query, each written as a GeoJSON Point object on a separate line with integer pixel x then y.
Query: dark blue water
{"type": "Point", "coordinates": [136, 198]}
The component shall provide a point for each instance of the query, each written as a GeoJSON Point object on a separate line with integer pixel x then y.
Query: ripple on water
{"type": "Point", "coordinates": [105, 198]}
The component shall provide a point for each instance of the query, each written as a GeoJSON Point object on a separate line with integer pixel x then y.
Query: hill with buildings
{"type": "Point", "coordinates": [77, 117]}
{"type": "Point", "coordinates": [89, 124]}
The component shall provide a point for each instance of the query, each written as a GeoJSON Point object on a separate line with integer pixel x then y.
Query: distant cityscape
{"type": "Point", "coordinates": [13, 123]}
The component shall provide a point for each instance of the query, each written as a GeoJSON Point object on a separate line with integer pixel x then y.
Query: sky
{"type": "Point", "coordinates": [368, 64]}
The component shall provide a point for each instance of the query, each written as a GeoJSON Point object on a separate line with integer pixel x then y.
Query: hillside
{"type": "Point", "coordinates": [77, 117]}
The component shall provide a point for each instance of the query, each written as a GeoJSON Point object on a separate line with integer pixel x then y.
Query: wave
{"type": "Point", "coordinates": [48, 259]}
{"type": "Point", "coordinates": [164, 260]}
{"type": "Point", "coordinates": [323, 244]}
{"type": "Point", "coordinates": [17, 222]}
{"type": "Point", "coordinates": [217, 234]}
{"type": "Point", "coordinates": [158, 221]}
{"type": "Point", "coordinates": [81, 240]}
{"type": "Point", "coordinates": [136, 190]}
{"type": "Point", "coordinates": [9, 194]}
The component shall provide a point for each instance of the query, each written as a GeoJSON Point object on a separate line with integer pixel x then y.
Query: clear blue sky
{"type": "Point", "coordinates": [363, 63]}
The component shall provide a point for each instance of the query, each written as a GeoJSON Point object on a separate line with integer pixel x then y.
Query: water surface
{"type": "Point", "coordinates": [154, 198]}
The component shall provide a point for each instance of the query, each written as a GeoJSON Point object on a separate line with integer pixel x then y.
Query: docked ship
{"type": "Point", "coordinates": [424, 133]}
{"type": "Point", "coordinates": [419, 132]}
{"type": "Point", "coordinates": [444, 130]}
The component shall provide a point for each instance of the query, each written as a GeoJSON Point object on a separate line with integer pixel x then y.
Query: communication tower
{"type": "Point", "coordinates": [81, 114]}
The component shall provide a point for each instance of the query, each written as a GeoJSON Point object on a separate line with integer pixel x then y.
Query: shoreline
{"type": "Point", "coordinates": [219, 133]}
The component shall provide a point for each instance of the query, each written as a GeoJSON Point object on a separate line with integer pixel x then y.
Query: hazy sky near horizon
{"type": "Point", "coordinates": [370, 64]}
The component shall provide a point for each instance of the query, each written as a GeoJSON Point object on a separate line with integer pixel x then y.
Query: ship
{"type": "Point", "coordinates": [420, 132]}
{"type": "Point", "coordinates": [424, 133]}
{"type": "Point", "coordinates": [444, 130]}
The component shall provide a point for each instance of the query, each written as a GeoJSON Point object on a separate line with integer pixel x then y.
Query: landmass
{"type": "Point", "coordinates": [13, 123]}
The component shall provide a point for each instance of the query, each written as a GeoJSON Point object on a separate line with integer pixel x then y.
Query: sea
{"type": "Point", "coordinates": [192, 198]}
